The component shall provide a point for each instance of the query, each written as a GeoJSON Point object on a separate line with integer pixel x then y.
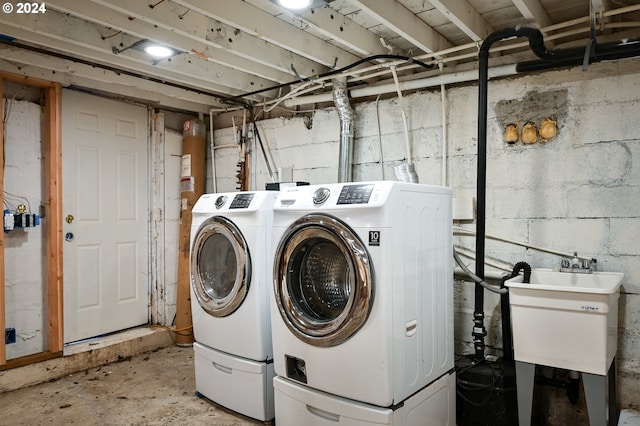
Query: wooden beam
{"type": "Point", "coordinates": [404, 23]}
{"type": "Point", "coordinates": [258, 23]}
{"type": "Point", "coordinates": [29, 81]}
{"type": "Point", "coordinates": [3, 308]}
{"type": "Point", "coordinates": [466, 17]}
{"type": "Point", "coordinates": [53, 220]}
{"type": "Point", "coordinates": [533, 11]}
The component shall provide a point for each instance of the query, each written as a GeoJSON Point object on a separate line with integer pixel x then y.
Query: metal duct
{"type": "Point", "coordinates": [341, 101]}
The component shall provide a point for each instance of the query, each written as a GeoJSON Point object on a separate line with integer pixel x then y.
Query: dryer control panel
{"type": "Point", "coordinates": [241, 201]}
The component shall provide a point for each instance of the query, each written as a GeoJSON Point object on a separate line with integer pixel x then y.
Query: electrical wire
{"type": "Point", "coordinates": [15, 197]}
{"type": "Point", "coordinates": [236, 99]}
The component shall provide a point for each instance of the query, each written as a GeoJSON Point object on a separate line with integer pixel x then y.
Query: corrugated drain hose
{"type": "Point", "coordinates": [522, 266]}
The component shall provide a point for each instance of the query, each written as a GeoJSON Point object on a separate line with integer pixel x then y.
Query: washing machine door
{"type": "Point", "coordinates": [323, 280]}
{"type": "Point", "coordinates": [220, 266]}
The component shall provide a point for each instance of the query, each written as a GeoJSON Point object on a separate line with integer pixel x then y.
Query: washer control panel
{"type": "Point", "coordinates": [355, 194]}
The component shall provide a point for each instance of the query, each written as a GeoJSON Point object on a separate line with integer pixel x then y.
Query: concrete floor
{"type": "Point", "coordinates": [141, 378]}
{"type": "Point", "coordinates": [153, 388]}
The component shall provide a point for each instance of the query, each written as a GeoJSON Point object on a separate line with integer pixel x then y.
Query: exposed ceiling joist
{"type": "Point", "coordinates": [239, 49]}
{"type": "Point", "coordinates": [461, 13]}
{"type": "Point", "coordinates": [256, 22]}
{"type": "Point", "coordinates": [258, 52]}
{"type": "Point", "coordinates": [344, 31]}
{"type": "Point", "coordinates": [68, 73]}
{"type": "Point", "coordinates": [175, 39]}
{"type": "Point", "coordinates": [403, 22]}
{"type": "Point", "coordinates": [66, 33]}
{"type": "Point", "coordinates": [533, 11]}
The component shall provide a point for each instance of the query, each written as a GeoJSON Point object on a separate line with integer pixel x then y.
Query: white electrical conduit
{"type": "Point", "coordinates": [473, 46]}
{"type": "Point", "coordinates": [382, 69]}
{"type": "Point", "coordinates": [407, 138]}
{"type": "Point", "coordinates": [473, 54]}
{"type": "Point", "coordinates": [456, 77]}
{"type": "Point", "coordinates": [517, 243]}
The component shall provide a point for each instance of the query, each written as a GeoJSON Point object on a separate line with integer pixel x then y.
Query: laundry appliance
{"type": "Point", "coordinates": [362, 296]}
{"type": "Point", "coordinates": [230, 263]}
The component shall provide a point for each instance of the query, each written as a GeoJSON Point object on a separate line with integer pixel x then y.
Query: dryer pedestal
{"type": "Point", "coordinates": [297, 405]}
{"type": "Point", "coordinates": [239, 384]}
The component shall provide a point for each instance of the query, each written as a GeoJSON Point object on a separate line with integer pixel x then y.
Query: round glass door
{"type": "Point", "coordinates": [323, 280]}
{"type": "Point", "coordinates": [220, 266]}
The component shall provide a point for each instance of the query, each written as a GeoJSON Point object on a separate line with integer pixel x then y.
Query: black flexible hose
{"type": "Point", "coordinates": [505, 308]}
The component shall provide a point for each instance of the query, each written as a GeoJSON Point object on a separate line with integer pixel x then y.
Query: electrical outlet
{"type": "Point", "coordinates": [9, 336]}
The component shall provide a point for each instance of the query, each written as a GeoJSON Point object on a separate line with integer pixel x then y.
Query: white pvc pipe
{"type": "Point", "coordinates": [456, 77]}
{"type": "Point", "coordinates": [453, 77]}
{"type": "Point", "coordinates": [517, 243]}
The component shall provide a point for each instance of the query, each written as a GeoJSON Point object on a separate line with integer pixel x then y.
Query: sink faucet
{"type": "Point", "coordinates": [578, 265]}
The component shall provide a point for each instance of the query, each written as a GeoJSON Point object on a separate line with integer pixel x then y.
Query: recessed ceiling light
{"type": "Point", "coordinates": [158, 51]}
{"type": "Point", "coordinates": [295, 4]}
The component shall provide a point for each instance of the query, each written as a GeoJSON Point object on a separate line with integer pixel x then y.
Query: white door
{"type": "Point", "coordinates": [105, 196]}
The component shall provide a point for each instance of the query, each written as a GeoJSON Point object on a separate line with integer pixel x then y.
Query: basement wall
{"type": "Point", "coordinates": [24, 260]}
{"type": "Point", "coordinates": [577, 192]}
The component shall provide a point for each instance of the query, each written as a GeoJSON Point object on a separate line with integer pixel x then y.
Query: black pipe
{"type": "Point", "coordinates": [536, 43]}
{"type": "Point", "coordinates": [601, 52]}
{"type": "Point", "coordinates": [566, 57]}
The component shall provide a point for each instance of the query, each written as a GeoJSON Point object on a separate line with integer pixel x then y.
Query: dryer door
{"type": "Point", "coordinates": [323, 280]}
{"type": "Point", "coordinates": [220, 266]}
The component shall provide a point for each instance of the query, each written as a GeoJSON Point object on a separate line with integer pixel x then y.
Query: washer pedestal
{"type": "Point", "coordinates": [595, 390]}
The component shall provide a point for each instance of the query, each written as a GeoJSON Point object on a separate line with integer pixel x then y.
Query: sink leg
{"type": "Point", "coordinates": [525, 376]}
{"type": "Point", "coordinates": [614, 414]}
{"type": "Point", "coordinates": [595, 395]}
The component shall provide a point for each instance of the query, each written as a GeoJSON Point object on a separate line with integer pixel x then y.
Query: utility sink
{"type": "Point", "coordinates": [566, 320]}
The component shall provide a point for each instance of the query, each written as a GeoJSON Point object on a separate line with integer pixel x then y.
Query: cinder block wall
{"type": "Point", "coordinates": [578, 192]}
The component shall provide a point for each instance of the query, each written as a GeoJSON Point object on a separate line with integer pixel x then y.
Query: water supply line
{"type": "Point", "coordinates": [347, 131]}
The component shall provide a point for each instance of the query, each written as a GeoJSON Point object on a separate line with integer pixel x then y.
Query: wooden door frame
{"type": "Point", "coordinates": [54, 342]}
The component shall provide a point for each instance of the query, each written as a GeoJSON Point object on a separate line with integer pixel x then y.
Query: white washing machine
{"type": "Point", "coordinates": [230, 280]}
{"type": "Point", "coordinates": [362, 296]}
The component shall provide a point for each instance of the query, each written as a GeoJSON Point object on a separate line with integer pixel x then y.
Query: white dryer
{"type": "Point", "coordinates": [362, 297]}
{"type": "Point", "coordinates": [230, 264]}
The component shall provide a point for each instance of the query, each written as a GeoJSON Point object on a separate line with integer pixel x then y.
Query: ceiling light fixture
{"type": "Point", "coordinates": [157, 51]}
{"type": "Point", "coordinates": [295, 4]}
